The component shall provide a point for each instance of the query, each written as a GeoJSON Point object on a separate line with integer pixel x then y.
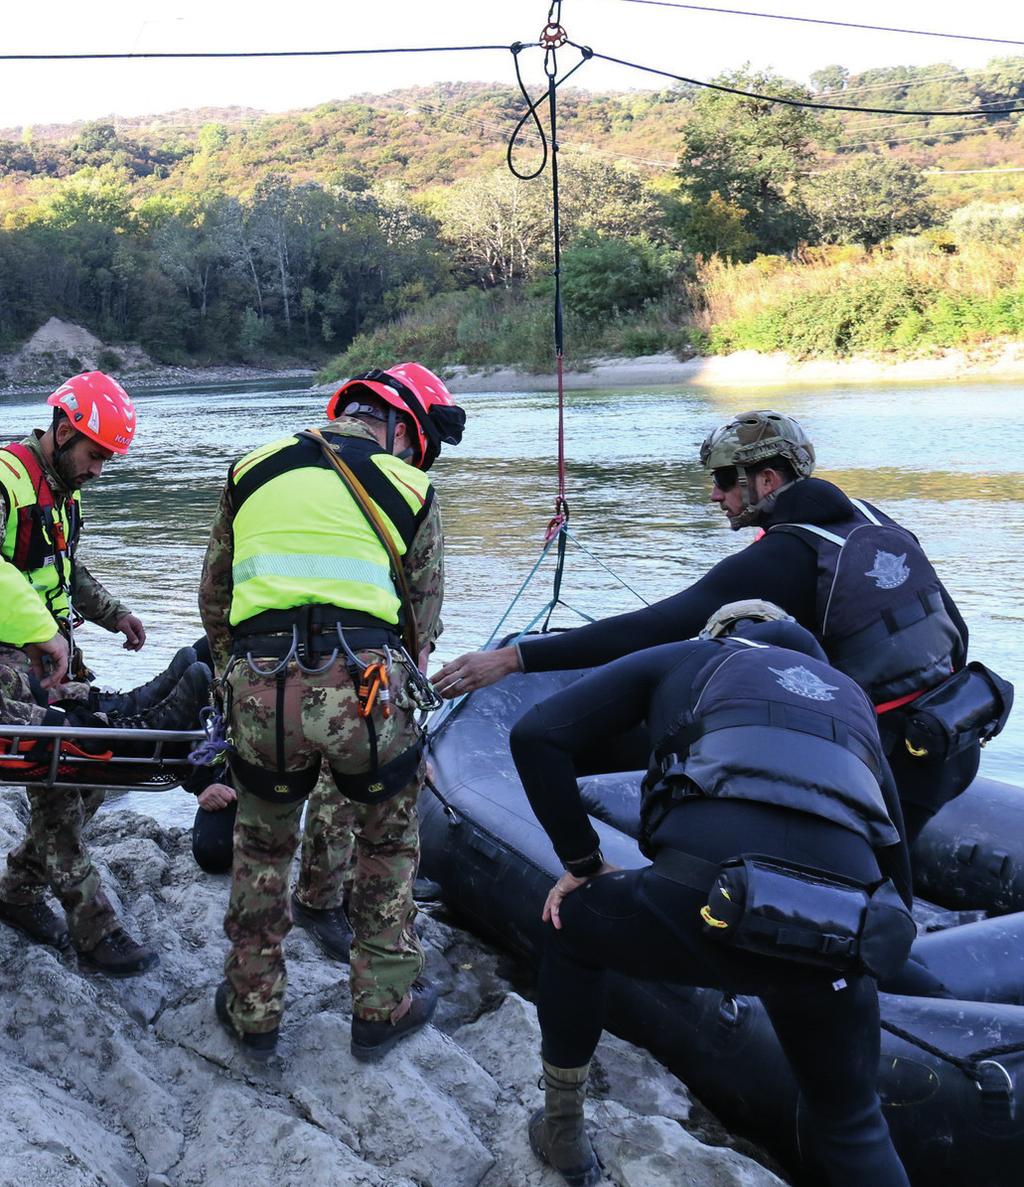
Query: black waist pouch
{"type": "Point", "coordinates": [793, 912]}
{"type": "Point", "coordinates": [970, 706]}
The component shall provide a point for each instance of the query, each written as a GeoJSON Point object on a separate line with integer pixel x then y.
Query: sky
{"type": "Point", "coordinates": [691, 43]}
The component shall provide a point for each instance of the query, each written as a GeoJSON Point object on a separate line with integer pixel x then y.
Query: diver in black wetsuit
{"type": "Point", "coordinates": [848, 573]}
{"type": "Point", "coordinates": [760, 742]}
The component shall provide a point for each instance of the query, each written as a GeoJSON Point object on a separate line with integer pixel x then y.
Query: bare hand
{"type": "Point", "coordinates": [566, 885]}
{"type": "Point", "coordinates": [476, 669]}
{"type": "Point", "coordinates": [217, 796]}
{"type": "Point", "coordinates": [56, 651]}
{"type": "Point", "coordinates": [133, 630]}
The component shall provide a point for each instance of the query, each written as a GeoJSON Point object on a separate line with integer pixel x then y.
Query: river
{"type": "Point", "coordinates": [945, 460]}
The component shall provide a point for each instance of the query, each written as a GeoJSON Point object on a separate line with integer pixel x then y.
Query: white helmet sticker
{"type": "Point", "coordinates": [94, 419]}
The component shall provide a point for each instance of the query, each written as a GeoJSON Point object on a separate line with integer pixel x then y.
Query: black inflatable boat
{"type": "Point", "coordinates": [951, 1075]}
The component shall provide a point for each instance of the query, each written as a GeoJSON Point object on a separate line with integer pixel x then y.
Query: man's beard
{"type": "Point", "coordinates": [65, 469]}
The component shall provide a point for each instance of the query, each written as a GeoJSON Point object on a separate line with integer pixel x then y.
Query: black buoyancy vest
{"type": "Point", "coordinates": [778, 727]}
{"type": "Point", "coordinates": [879, 609]}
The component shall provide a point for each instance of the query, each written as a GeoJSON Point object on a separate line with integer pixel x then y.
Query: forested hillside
{"type": "Point", "coordinates": [231, 234]}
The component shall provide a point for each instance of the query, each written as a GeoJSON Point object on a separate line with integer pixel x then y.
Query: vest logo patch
{"type": "Point", "coordinates": [805, 683]}
{"type": "Point", "coordinates": [890, 571]}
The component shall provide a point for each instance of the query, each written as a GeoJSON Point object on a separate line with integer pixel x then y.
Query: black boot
{"type": "Point", "coordinates": [37, 920]}
{"type": "Point", "coordinates": [119, 955]}
{"type": "Point", "coordinates": [146, 696]}
{"type": "Point", "coordinates": [330, 928]}
{"type": "Point", "coordinates": [177, 711]}
{"type": "Point", "coordinates": [557, 1133]}
{"type": "Point", "coordinates": [257, 1046]}
{"type": "Point", "coordinates": [371, 1041]}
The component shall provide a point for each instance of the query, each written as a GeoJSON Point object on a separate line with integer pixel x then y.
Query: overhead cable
{"type": "Point", "coordinates": [261, 53]}
{"type": "Point", "coordinates": [789, 102]}
{"type": "Point", "coordinates": [810, 20]}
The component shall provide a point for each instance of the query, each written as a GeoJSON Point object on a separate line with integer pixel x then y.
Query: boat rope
{"type": "Point", "coordinates": [970, 1065]}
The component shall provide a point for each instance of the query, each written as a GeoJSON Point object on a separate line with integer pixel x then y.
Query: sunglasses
{"type": "Point", "coordinates": [725, 478]}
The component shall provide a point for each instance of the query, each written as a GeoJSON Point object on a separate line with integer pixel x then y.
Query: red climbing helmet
{"type": "Point", "coordinates": [412, 389]}
{"type": "Point", "coordinates": [99, 408]}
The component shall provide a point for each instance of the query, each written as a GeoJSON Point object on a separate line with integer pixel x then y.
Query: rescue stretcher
{"type": "Point", "coordinates": [76, 756]}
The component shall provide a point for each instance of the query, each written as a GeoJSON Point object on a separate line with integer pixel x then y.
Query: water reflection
{"type": "Point", "coordinates": [935, 457]}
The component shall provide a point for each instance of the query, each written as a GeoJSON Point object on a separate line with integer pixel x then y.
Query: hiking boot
{"type": "Point", "coordinates": [119, 955]}
{"type": "Point", "coordinates": [371, 1041]}
{"type": "Point", "coordinates": [146, 696]}
{"type": "Point", "coordinates": [38, 921]}
{"type": "Point", "coordinates": [330, 928]}
{"type": "Point", "coordinates": [258, 1047]}
{"type": "Point", "coordinates": [557, 1133]}
{"type": "Point", "coordinates": [177, 711]}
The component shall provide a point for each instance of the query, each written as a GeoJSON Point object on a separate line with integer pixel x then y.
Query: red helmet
{"type": "Point", "coordinates": [98, 407]}
{"type": "Point", "coordinates": [412, 389]}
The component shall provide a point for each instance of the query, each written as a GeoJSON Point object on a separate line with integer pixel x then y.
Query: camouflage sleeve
{"type": "Point", "coordinates": [93, 601]}
{"type": "Point", "coordinates": [216, 583]}
{"type": "Point", "coordinates": [17, 705]}
{"type": "Point", "coordinates": [424, 570]}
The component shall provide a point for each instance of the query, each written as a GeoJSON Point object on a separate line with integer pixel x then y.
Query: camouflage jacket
{"type": "Point", "coordinates": [424, 567]}
{"type": "Point", "coordinates": [89, 597]}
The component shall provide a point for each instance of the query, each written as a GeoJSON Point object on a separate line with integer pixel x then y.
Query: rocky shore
{"type": "Point", "coordinates": [134, 1084]}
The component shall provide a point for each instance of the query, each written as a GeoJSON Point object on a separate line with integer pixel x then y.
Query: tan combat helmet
{"type": "Point", "coordinates": [751, 438]}
{"type": "Point", "coordinates": [726, 617]}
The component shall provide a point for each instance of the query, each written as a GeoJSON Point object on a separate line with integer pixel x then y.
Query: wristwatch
{"type": "Point", "coordinates": [585, 867]}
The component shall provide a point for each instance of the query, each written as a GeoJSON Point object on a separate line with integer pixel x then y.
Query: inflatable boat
{"type": "Point", "coordinates": [951, 1075]}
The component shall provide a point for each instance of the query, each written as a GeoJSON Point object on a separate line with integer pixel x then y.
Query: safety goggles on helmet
{"type": "Point", "coordinates": [412, 389]}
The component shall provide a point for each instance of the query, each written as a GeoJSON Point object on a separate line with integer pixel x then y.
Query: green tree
{"type": "Point", "coordinates": [869, 200]}
{"type": "Point", "coordinates": [716, 228]}
{"type": "Point", "coordinates": [830, 80]}
{"type": "Point", "coordinates": [752, 153]}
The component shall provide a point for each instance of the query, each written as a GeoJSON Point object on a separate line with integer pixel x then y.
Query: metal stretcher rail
{"type": "Point", "coordinates": [155, 769]}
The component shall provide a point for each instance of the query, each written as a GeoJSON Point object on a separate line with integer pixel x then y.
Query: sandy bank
{"type": "Point", "coordinates": [748, 368]}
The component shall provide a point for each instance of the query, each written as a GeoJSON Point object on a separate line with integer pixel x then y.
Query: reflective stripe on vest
{"type": "Point", "coordinates": [300, 537]}
{"type": "Point", "coordinates": [40, 534]}
{"type": "Point", "coordinates": [778, 727]}
{"type": "Point", "coordinates": [879, 610]}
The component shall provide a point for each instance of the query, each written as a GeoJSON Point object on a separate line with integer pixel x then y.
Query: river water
{"type": "Point", "coordinates": [945, 460]}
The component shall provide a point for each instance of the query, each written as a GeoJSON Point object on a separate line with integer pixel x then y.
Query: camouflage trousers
{"type": "Point", "coordinates": [52, 855]}
{"type": "Point", "coordinates": [326, 860]}
{"type": "Point", "coordinates": [320, 722]}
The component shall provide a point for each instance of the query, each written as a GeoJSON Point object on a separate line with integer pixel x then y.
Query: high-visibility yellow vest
{"type": "Point", "coordinates": [301, 538]}
{"type": "Point", "coordinates": [37, 551]}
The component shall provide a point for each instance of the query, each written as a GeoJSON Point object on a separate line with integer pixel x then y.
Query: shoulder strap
{"type": "Point", "coordinates": [41, 488]}
{"type": "Point", "coordinates": [866, 511]}
{"type": "Point", "coordinates": [366, 505]}
{"type": "Point", "coordinates": [832, 538]}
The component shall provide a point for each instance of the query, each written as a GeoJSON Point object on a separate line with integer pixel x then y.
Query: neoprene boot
{"type": "Point", "coordinates": [147, 695]}
{"type": "Point", "coordinates": [371, 1041]}
{"type": "Point", "coordinates": [330, 928]}
{"type": "Point", "coordinates": [558, 1135]}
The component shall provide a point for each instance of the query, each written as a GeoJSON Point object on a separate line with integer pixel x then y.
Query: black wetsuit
{"type": "Point", "coordinates": [780, 568]}
{"type": "Point", "coordinates": [646, 926]}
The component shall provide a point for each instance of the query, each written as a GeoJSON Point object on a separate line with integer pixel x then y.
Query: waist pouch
{"type": "Point", "coordinates": [793, 912]}
{"type": "Point", "coordinates": [970, 706]}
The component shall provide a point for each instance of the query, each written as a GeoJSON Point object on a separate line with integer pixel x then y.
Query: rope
{"type": "Point", "coordinates": [715, 86]}
{"type": "Point", "coordinates": [968, 1064]}
{"type": "Point", "coordinates": [264, 53]}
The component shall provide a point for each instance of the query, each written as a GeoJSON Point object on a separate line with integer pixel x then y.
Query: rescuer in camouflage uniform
{"type": "Point", "coordinates": [40, 478]}
{"type": "Point", "coordinates": [273, 579]}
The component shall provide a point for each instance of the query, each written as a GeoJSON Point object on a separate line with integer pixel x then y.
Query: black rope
{"type": "Point", "coordinates": [266, 53]}
{"type": "Point", "coordinates": [810, 20]}
{"type": "Point", "coordinates": [968, 1064]}
{"type": "Point", "coordinates": [531, 111]}
{"type": "Point", "coordinates": [716, 86]}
